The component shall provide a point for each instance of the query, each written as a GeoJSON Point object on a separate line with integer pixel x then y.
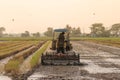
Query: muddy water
{"type": "Point", "coordinates": [58, 73]}
{"type": "Point", "coordinates": [94, 68]}
{"type": "Point", "coordinates": [2, 64]}
{"type": "Point", "coordinates": [26, 66]}
{"type": "Point", "coordinates": [97, 60]}
{"type": "Point", "coordinates": [4, 77]}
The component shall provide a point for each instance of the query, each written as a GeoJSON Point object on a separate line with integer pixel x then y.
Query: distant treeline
{"type": "Point", "coordinates": [25, 34]}
{"type": "Point", "coordinates": [97, 30]}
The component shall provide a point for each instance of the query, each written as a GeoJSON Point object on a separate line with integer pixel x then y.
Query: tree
{"type": "Point", "coordinates": [115, 30]}
{"type": "Point", "coordinates": [68, 27]}
{"type": "Point", "coordinates": [2, 29]}
{"type": "Point", "coordinates": [36, 34]}
{"type": "Point", "coordinates": [106, 33]}
{"type": "Point", "coordinates": [97, 30]}
{"type": "Point", "coordinates": [73, 31]}
{"type": "Point", "coordinates": [26, 34]}
{"type": "Point", "coordinates": [49, 32]}
{"type": "Point", "coordinates": [76, 32]}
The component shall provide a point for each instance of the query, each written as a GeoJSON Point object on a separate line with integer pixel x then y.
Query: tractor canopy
{"type": "Point", "coordinates": [60, 30]}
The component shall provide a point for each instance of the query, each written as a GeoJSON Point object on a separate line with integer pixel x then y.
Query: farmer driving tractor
{"type": "Point", "coordinates": [60, 44]}
{"type": "Point", "coordinates": [63, 46]}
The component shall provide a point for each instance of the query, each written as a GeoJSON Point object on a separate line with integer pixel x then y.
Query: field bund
{"type": "Point", "coordinates": [25, 66]}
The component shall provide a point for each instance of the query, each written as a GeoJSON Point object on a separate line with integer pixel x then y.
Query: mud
{"type": "Point", "coordinates": [99, 62]}
{"type": "Point", "coordinates": [2, 64]}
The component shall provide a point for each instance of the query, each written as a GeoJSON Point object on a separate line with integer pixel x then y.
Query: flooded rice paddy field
{"type": "Point", "coordinates": [98, 62]}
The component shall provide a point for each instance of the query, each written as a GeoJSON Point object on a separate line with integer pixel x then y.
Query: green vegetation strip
{"type": "Point", "coordinates": [36, 57]}
{"type": "Point", "coordinates": [113, 41]}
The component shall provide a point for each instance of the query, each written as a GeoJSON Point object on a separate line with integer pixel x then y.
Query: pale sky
{"type": "Point", "coordinates": [37, 15]}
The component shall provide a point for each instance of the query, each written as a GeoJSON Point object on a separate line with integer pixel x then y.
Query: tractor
{"type": "Point", "coordinates": [61, 51]}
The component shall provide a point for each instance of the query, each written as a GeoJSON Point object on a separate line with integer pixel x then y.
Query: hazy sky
{"type": "Point", "coordinates": [37, 15]}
